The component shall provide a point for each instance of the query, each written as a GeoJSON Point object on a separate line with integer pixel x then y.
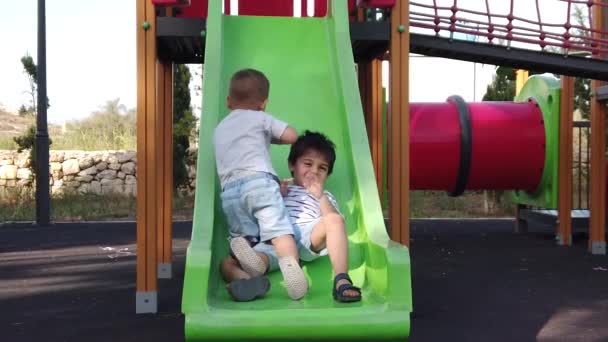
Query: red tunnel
{"type": "Point", "coordinates": [488, 145]}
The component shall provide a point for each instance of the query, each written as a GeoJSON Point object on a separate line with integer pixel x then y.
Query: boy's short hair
{"type": "Point", "coordinates": [315, 141]}
{"type": "Point", "coordinates": [249, 86]}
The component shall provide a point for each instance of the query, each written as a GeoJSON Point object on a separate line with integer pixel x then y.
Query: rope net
{"type": "Point", "coordinates": [559, 26]}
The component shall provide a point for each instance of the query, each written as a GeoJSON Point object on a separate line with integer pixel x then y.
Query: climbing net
{"type": "Point", "coordinates": [560, 26]}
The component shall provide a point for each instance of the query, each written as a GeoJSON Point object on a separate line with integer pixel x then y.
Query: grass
{"type": "Point", "coordinates": [86, 141]}
{"type": "Point", "coordinates": [19, 206]}
{"type": "Point", "coordinates": [7, 143]}
{"type": "Point", "coordinates": [112, 127]}
{"type": "Point", "coordinates": [471, 204]}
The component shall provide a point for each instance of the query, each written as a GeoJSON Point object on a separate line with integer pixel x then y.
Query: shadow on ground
{"type": "Point", "coordinates": [477, 281]}
{"type": "Point", "coordinates": [473, 280]}
{"type": "Point", "coordinates": [76, 282]}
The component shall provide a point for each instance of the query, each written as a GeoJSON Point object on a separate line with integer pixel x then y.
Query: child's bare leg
{"type": "Point", "coordinates": [232, 270]}
{"type": "Point", "coordinates": [285, 245]}
{"type": "Point", "coordinates": [330, 233]}
{"type": "Point", "coordinates": [241, 286]}
{"type": "Point", "coordinates": [287, 252]}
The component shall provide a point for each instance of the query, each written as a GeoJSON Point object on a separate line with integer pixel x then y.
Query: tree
{"type": "Point", "coordinates": [27, 141]}
{"type": "Point", "coordinates": [184, 123]}
{"type": "Point", "coordinates": [502, 87]}
{"type": "Point", "coordinates": [582, 86]}
{"type": "Point", "coordinates": [31, 70]}
{"type": "Point", "coordinates": [24, 111]}
{"type": "Point", "coordinates": [582, 97]}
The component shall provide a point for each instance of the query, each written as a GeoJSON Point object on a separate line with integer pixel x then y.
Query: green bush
{"type": "Point", "coordinates": [111, 127]}
{"type": "Point", "coordinates": [7, 143]}
{"type": "Point", "coordinates": [27, 142]}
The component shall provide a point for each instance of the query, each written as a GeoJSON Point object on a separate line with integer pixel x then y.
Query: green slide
{"type": "Point", "coordinates": [310, 65]}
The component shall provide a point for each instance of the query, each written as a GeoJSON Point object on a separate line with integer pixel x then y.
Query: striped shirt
{"type": "Point", "coordinates": [302, 207]}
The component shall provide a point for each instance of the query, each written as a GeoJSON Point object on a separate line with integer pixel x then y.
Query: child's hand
{"type": "Point", "coordinates": [284, 184]}
{"type": "Point", "coordinates": [314, 186]}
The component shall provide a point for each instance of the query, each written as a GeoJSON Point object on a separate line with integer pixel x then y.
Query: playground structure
{"type": "Point", "coordinates": [472, 136]}
{"type": "Point", "coordinates": [320, 49]}
{"type": "Point", "coordinates": [524, 146]}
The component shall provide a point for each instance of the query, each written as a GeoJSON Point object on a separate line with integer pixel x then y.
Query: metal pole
{"type": "Point", "coordinates": [42, 134]}
{"type": "Point", "coordinates": [474, 81]}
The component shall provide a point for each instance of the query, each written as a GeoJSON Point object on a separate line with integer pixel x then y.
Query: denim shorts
{"type": "Point", "coordinates": [302, 236]}
{"type": "Point", "coordinates": [254, 208]}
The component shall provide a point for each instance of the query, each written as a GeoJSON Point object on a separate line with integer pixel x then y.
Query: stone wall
{"type": "Point", "coordinates": [99, 172]}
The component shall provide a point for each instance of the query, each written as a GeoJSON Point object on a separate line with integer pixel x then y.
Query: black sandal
{"type": "Point", "coordinates": [338, 293]}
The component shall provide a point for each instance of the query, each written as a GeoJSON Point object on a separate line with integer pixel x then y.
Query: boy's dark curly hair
{"type": "Point", "coordinates": [316, 141]}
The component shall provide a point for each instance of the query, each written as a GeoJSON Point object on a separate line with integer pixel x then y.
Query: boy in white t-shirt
{"type": "Point", "coordinates": [251, 196]}
{"type": "Point", "coordinates": [318, 225]}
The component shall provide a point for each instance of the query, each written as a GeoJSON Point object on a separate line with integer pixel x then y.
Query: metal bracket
{"type": "Point", "coordinates": [598, 247]}
{"type": "Point", "coordinates": [602, 94]}
{"type": "Point", "coordinates": [560, 240]}
{"type": "Point", "coordinates": [520, 226]}
{"type": "Point", "coordinates": [146, 302]}
{"type": "Point", "coordinates": [164, 271]}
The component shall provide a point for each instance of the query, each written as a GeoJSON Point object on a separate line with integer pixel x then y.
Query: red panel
{"type": "Point", "coordinates": [508, 146]}
{"type": "Point", "coordinates": [320, 8]}
{"type": "Point", "coordinates": [284, 8]}
{"type": "Point", "coordinates": [277, 8]}
{"type": "Point", "coordinates": [168, 2]}
{"type": "Point", "coordinates": [434, 146]}
{"type": "Point", "coordinates": [197, 9]}
{"type": "Point", "coordinates": [352, 10]}
{"type": "Point", "coordinates": [376, 3]}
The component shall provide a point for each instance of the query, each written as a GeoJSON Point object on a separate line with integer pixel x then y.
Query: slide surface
{"type": "Point", "coordinates": [313, 86]}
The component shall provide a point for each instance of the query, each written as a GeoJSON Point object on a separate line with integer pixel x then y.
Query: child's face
{"type": "Point", "coordinates": [310, 165]}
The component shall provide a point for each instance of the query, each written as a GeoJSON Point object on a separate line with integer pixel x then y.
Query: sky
{"type": "Point", "coordinates": [91, 56]}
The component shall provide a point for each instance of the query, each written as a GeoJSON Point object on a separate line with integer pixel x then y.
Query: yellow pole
{"type": "Point", "coordinates": [370, 88]}
{"type": "Point", "coordinates": [564, 227]}
{"type": "Point", "coordinates": [147, 138]}
{"type": "Point", "coordinates": [597, 219]}
{"type": "Point", "coordinates": [398, 123]}
{"type": "Point", "coordinates": [521, 76]}
{"type": "Point", "coordinates": [164, 174]}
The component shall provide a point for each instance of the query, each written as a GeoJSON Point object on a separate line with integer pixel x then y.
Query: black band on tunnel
{"type": "Point", "coordinates": [466, 145]}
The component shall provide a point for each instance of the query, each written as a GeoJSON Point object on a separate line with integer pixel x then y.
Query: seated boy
{"type": "Point", "coordinates": [318, 225]}
{"type": "Point", "coordinates": [251, 197]}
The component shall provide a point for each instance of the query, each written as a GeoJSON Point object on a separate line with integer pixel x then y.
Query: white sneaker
{"type": "Point", "coordinates": [247, 257]}
{"type": "Point", "coordinates": [295, 280]}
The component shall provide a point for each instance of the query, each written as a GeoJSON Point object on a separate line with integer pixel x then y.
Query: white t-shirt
{"type": "Point", "coordinates": [242, 143]}
{"type": "Point", "coordinates": [304, 208]}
